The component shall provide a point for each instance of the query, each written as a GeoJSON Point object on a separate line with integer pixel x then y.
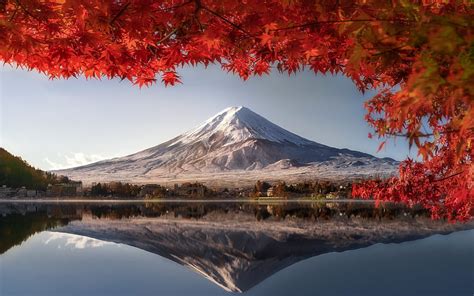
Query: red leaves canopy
{"type": "Point", "coordinates": [420, 54]}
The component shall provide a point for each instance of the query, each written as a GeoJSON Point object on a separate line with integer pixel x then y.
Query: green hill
{"type": "Point", "coordinates": [15, 173]}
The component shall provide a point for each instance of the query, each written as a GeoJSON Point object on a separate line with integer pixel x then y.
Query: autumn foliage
{"type": "Point", "coordinates": [419, 55]}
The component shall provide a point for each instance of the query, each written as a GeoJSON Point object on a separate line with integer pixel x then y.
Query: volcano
{"type": "Point", "coordinates": [239, 145]}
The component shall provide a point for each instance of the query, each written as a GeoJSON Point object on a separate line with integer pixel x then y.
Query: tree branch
{"type": "Point", "coordinates": [175, 6]}
{"type": "Point", "coordinates": [339, 21]}
{"type": "Point", "coordinates": [121, 11]}
{"type": "Point", "coordinates": [27, 11]}
{"type": "Point", "coordinates": [420, 135]}
{"type": "Point", "coordinates": [196, 14]}
{"type": "Point", "coordinates": [232, 24]}
{"type": "Point", "coordinates": [13, 14]}
{"type": "Point", "coordinates": [167, 36]}
{"type": "Point", "coordinates": [198, 8]}
{"type": "Point", "coordinates": [448, 177]}
{"type": "Point", "coordinates": [389, 50]}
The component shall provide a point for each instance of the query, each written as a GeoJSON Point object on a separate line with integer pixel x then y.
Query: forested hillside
{"type": "Point", "coordinates": [15, 172]}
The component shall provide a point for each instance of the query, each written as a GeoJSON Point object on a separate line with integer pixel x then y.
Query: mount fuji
{"type": "Point", "coordinates": [235, 146]}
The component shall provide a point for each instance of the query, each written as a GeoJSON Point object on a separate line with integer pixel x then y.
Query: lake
{"type": "Point", "coordinates": [226, 248]}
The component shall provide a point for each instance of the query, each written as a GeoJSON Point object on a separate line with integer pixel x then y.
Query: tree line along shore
{"type": "Point", "coordinates": [19, 180]}
{"type": "Point", "coordinates": [69, 189]}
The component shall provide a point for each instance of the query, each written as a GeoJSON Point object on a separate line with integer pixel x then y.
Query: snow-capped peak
{"type": "Point", "coordinates": [238, 124]}
{"type": "Point", "coordinates": [235, 145]}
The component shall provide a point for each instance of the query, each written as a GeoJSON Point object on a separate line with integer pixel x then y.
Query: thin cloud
{"type": "Point", "coordinates": [74, 160]}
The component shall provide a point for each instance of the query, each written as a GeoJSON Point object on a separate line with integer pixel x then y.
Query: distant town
{"type": "Point", "coordinates": [118, 190]}
{"type": "Point", "coordinates": [19, 180]}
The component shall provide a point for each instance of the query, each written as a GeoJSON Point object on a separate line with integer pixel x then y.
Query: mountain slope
{"type": "Point", "coordinates": [235, 140]}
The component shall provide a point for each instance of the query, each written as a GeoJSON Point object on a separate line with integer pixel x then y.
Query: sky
{"type": "Point", "coordinates": [55, 124]}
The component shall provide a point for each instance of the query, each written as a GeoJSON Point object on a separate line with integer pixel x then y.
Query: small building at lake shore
{"type": "Point", "coordinates": [64, 189]}
{"type": "Point", "coordinates": [6, 192]}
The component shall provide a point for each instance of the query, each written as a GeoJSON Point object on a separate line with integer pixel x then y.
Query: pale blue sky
{"type": "Point", "coordinates": [62, 123]}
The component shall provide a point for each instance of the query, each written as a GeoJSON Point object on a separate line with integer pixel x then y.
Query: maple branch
{"type": "Point", "coordinates": [339, 21]}
{"type": "Point", "coordinates": [421, 135]}
{"type": "Point", "coordinates": [121, 11]}
{"type": "Point", "coordinates": [175, 6]}
{"type": "Point", "coordinates": [13, 14]}
{"type": "Point", "coordinates": [448, 177]}
{"type": "Point", "coordinates": [196, 14]}
{"type": "Point", "coordinates": [27, 11]}
{"type": "Point", "coordinates": [198, 7]}
{"type": "Point", "coordinates": [232, 24]}
{"type": "Point", "coordinates": [390, 50]}
{"type": "Point", "coordinates": [167, 36]}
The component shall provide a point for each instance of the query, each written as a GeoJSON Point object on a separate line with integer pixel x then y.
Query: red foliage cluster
{"type": "Point", "coordinates": [424, 184]}
{"type": "Point", "coordinates": [420, 52]}
{"type": "Point", "coordinates": [444, 181]}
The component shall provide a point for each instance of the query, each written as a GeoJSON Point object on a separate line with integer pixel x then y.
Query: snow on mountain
{"type": "Point", "coordinates": [234, 143]}
{"type": "Point", "coordinates": [239, 124]}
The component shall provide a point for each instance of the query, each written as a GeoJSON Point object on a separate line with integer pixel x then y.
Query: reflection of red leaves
{"type": "Point", "coordinates": [421, 53]}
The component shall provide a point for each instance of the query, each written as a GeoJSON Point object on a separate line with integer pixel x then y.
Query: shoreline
{"type": "Point", "coordinates": [266, 200]}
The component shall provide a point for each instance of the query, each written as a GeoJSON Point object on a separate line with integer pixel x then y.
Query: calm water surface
{"type": "Point", "coordinates": [231, 248]}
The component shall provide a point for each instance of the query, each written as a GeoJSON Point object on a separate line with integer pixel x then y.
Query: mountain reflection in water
{"type": "Point", "coordinates": [234, 245]}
